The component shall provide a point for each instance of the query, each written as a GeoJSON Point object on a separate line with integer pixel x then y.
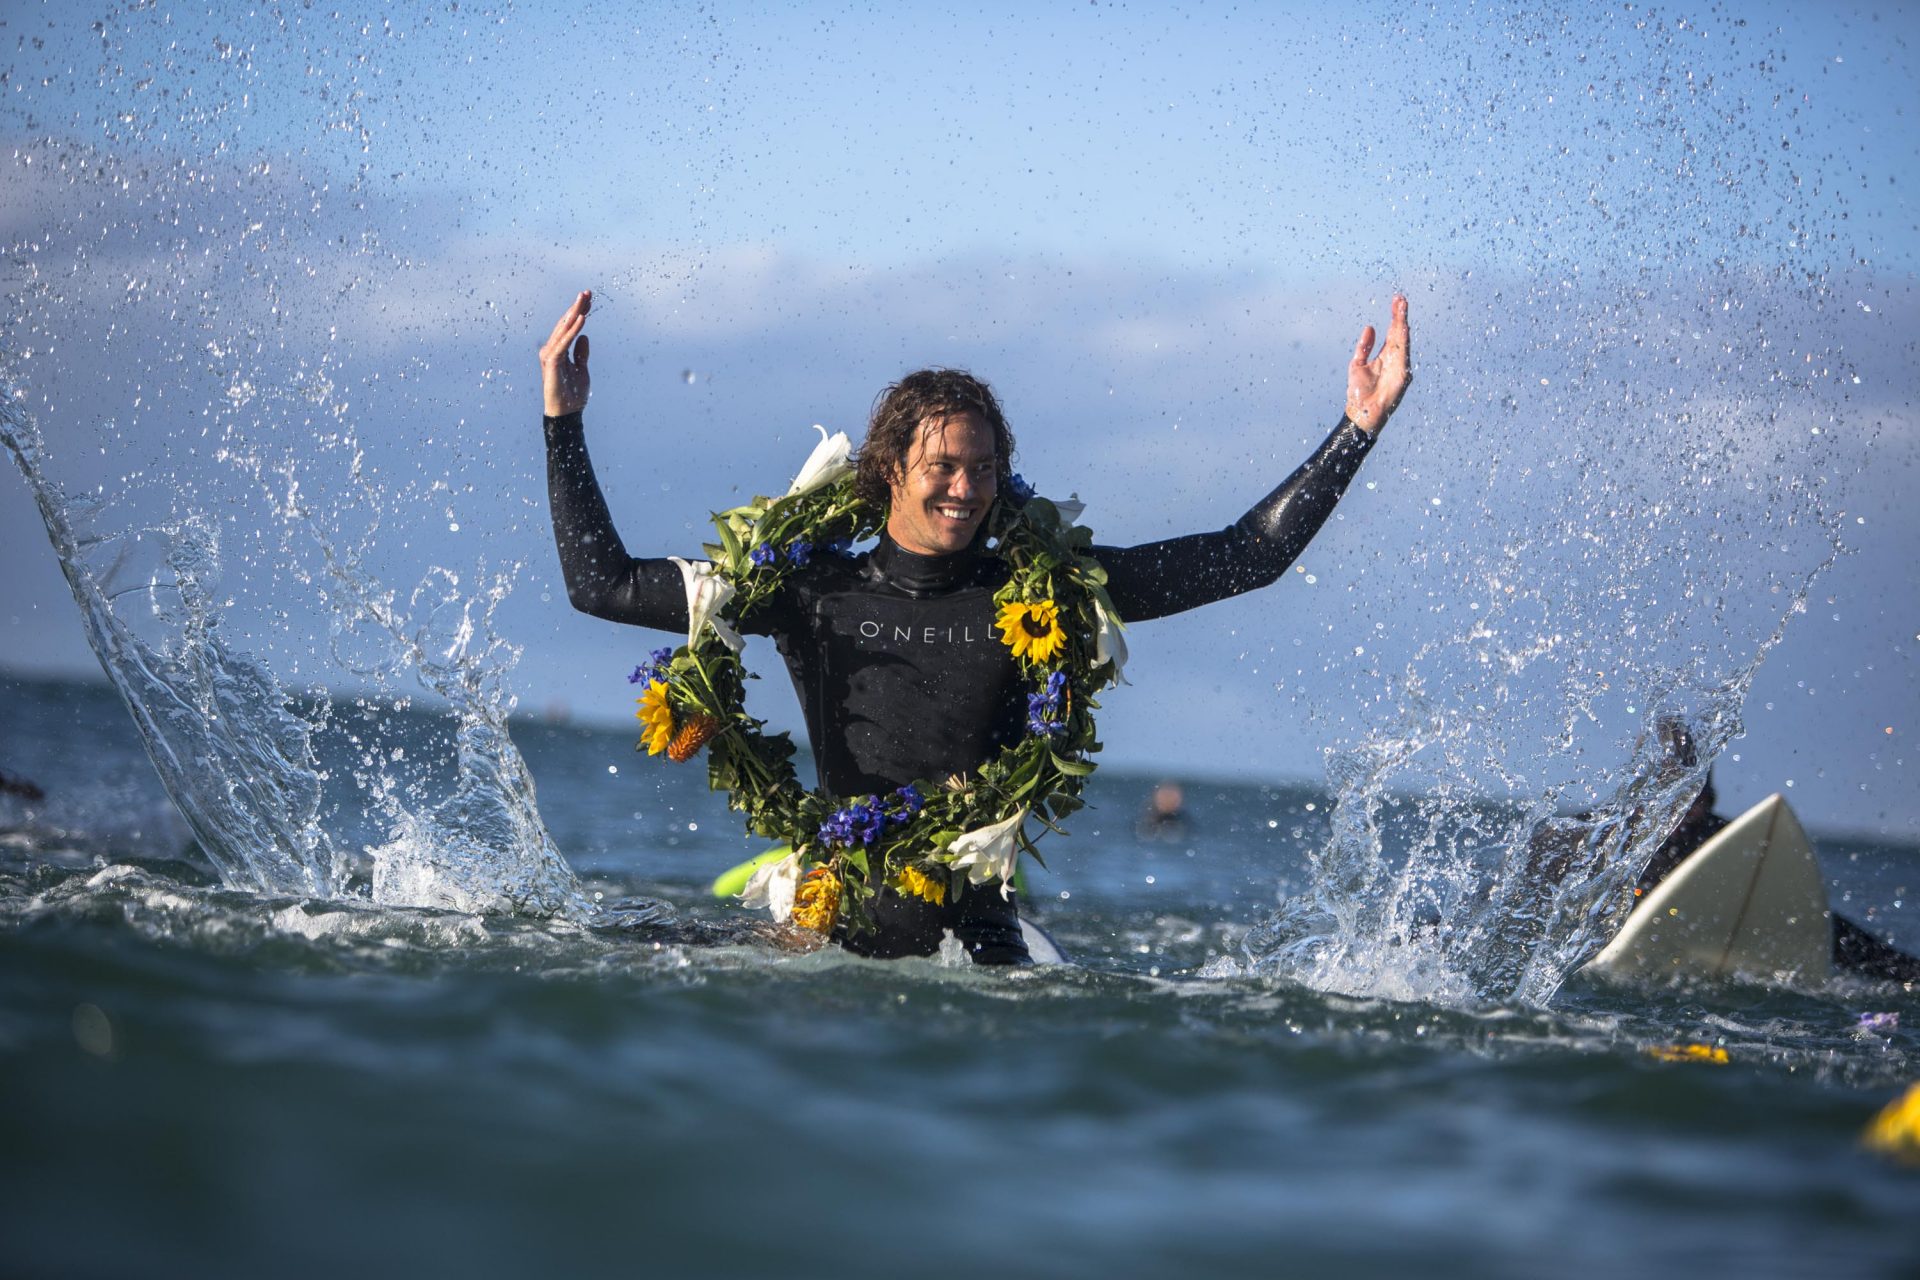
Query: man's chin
{"type": "Point", "coordinates": [950, 538]}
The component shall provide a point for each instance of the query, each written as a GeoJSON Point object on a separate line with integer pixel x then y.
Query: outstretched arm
{"type": "Point", "coordinates": [602, 579]}
{"type": "Point", "coordinates": [1161, 578]}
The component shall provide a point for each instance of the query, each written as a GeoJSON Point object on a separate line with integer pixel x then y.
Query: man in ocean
{"type": "Point", "coordinates": [882, 714]}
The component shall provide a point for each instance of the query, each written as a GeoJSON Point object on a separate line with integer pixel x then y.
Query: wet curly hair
{"type": "Point", "coordinates": [898, 412]}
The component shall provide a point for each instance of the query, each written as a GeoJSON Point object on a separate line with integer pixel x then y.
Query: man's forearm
{"type": "Point", "coordinates": [602, 579]}
{"type": "Point", "coordinates": [1280, 525]}
{"type": "Point", "coordinates": [1161, 578]}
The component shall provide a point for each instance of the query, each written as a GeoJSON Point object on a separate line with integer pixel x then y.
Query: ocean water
{"type": "Point", "coordinates": [213, 1080]}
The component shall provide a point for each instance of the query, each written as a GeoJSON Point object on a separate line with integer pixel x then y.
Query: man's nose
{"type": "Point", "coordinates": [961, 486]}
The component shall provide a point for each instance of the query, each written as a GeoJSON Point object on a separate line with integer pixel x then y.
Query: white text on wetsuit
{"type": "Point", "coordinates": [962, 634]}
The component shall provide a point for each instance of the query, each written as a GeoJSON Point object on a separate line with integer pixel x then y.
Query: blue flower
{"type": "Point", "coordinates": [1019, 488]}
{"type": "Point", "coordinates": [654, 668]}
{"type": "Point", "coordinates": [911, 801]}
{"type": "Point", "coordinates": [799, 552]}
{"type": "Point", "coordinates": [1038, 723]}
{"type": "Point", "coordinates": [869, 820]}
{"type": "Point", "coordinates": [861, 822]}
{"type": "Point", "coordinates": [1045, 709]}
{"type": "Point", "coordinates": [763, 555]}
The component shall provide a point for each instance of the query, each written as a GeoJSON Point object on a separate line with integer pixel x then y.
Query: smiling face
{"type": "Point", "coordinates": [942, 494]}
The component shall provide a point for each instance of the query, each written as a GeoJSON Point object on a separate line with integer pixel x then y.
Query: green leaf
{"type": "Point", "coordinates": [1090, 573]}
{"type": "Point", "coordinates": [735, 556]}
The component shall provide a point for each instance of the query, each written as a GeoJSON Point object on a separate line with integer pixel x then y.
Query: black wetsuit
{"type": "Point", "coordinates": [899, 672]}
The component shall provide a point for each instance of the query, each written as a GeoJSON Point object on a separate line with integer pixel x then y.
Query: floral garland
{"type": "Point", "coordinates": [1053, 613]}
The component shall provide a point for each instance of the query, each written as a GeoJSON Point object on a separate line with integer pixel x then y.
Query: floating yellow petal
{"type": "Point", "coordinates": [917, 883]}
{"type": "Point", "coordinates": [657, 717]}
{"type": "Point", "coordinates": [1032, 630]}
{"type": "Point", "coordinates": [1896, 1130]}
{"type": "Point", "coordinates": [1687, 1053]}
{"type": "Point", "coordinates": [816, 901]}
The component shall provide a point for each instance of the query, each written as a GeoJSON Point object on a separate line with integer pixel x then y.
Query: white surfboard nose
{"type": "Point", "coordinates": [1749, 901]}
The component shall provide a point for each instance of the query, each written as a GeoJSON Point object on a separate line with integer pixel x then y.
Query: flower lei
{"type": "Point", "coordinates": [1053, 613]}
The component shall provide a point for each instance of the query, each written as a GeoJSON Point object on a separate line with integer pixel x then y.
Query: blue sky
{"type": "Point", "coordinates": [1661, 264]}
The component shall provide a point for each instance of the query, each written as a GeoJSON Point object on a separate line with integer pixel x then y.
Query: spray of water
{"type": "Point", "coordinates": [1485, 843]}
{"type": "Point", "coordinates": [230, 749]}
{"type": "Point", "coordinates": [239, 756]}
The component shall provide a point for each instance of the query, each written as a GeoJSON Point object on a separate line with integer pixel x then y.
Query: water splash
{"type": "Point", "coordinates": [1428, 890]}
{"type": "Point", "coordinates": [240, 758]}
{"type": "Point", "coordinates": [227, 744]}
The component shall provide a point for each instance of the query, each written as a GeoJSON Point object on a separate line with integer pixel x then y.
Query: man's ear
{"type": "Point", "coordinates": [897, 472]}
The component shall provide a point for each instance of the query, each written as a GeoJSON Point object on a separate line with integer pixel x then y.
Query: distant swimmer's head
{"type": "Point", "coordinates": [937, 452]}
{"type": "Point", "coordinates": [1168, 798]}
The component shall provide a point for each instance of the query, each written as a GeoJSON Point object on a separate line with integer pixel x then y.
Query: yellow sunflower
{"type": "Point", "coordinates": [817, 900]}
{"type": "Point", "coordinates": [1032, 630]}
{"type": "Point", "coordinates": [917, 883]}
{"type": "Point", "coordinates": [657, 717]}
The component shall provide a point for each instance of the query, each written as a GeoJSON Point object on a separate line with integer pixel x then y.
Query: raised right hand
{"type": "Point", "coordinates": [563, 361]}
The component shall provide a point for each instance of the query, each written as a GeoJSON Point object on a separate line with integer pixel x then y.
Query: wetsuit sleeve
{"type": "Point", "coordinates": [602, 579]}
{"type": "Point", "coordinates": [1160, 578]}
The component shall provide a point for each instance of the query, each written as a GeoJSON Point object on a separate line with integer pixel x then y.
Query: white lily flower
{"type": "Point", "coordinates": [990, 852]}
{"type": "Point", "coordinates": [1108, 646]}
{"type": "Point", "coordinates": [772, 887]}
{"type": "Point", "coordinates": [1070, 509]}
{"type": "Point", "coordinates": [827, 463]}
{"type": "Point", "coordinates": [707, 591]}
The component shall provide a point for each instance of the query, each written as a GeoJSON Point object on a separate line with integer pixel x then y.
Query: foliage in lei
{"type": "Point", "coordinates": [923, 839]}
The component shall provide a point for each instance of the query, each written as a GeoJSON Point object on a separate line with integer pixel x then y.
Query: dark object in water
{"type": "Point", "coordinates": [1856, 949]}
{"type": "Point", "coordinates": [20, 787]}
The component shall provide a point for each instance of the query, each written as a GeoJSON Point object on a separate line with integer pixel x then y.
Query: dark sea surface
{"type": "Point", "coordinates": [206, 1081]}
